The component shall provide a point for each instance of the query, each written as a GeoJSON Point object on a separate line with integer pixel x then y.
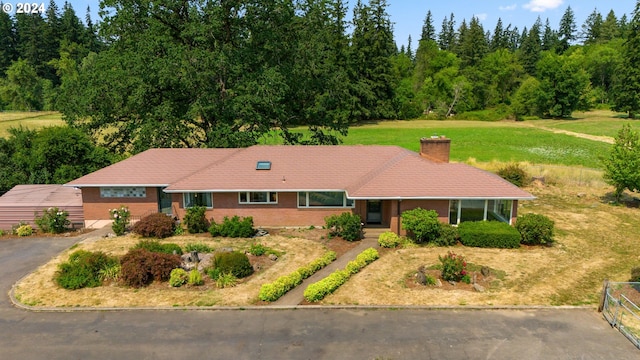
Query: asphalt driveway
{"type": "Point", "coordinates": [310, 333]}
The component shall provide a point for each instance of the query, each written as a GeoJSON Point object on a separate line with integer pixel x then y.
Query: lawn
{"type": "Point", "coordinates": [31, 120]}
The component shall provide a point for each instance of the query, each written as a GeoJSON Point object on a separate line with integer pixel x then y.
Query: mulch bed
{"type": "Point", "coordinates": [411, 283]}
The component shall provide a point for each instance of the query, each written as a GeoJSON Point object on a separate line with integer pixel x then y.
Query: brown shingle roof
{"type": "Point", "coordinates": [154, 167]}
{"type": "Point", "coordinates": [362, 171]}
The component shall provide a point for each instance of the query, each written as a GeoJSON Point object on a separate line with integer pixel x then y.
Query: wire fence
{"type": "Point", "coordinates": [619, 305]}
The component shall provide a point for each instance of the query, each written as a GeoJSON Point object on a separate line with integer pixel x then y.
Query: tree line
{"type": "Point", "coordinates": [175, 73]}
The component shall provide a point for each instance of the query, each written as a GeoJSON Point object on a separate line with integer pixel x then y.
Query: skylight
{"type": "Point", "coordinates": [263, 165]}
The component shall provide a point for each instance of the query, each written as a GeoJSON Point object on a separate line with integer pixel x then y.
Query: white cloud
{"type": "Point", "coordinates": [481, 17]}
{"type": "Point", "coordinates": [542, 5]}
{"type": "Point", "coordinates": [508, 7]}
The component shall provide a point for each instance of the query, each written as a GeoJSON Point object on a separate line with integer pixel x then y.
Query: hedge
{"type": "Point", "coordinates": [275, 290]}
{"type": "Point", "coordinates": [488, 234]}
{"type": "Point", "coordinates": [318, 290]}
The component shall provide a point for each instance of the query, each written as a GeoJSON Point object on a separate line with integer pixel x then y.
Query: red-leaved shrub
{"type": "Point", "coordinates": [141, 267]}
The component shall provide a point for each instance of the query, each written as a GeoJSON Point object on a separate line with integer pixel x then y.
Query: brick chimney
{"type": "Point", "coordinates": [435, 148]}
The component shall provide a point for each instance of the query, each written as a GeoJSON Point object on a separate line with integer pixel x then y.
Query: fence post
{"type": "Point", "coordinates": [603, 297]}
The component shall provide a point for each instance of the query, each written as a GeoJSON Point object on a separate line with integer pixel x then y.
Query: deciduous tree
{"type": "Point", "coordinates": [622, 165]}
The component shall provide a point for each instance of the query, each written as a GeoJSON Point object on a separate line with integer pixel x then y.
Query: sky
{"type": "Point", "coordinates": [408, 16]}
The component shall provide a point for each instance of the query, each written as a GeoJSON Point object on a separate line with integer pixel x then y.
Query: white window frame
{"type": "Point", "coordinates": [486, 209]}
{"type": "Point", "coordinates": [345, 201]}
{"type": "Point", "coordinates": [248, 201]}
{"type": "Point", "coordinates": [134, 192]}
{"type": "Point", "coordinates": [184, 199]}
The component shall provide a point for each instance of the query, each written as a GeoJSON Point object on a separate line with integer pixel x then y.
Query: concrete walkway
{"type": "Point", "coordinates": [296, 295]}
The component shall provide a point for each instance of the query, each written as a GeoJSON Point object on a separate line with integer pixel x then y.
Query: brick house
{"type": "Point", "coordinates": [301, 185]}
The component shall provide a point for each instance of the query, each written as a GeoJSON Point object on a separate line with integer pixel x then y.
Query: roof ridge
{"type": "Point", "coordinates": [371, 175]}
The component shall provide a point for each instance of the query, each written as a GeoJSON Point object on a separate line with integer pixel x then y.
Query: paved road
{"type": "Point", "coordinates": [292, 334]}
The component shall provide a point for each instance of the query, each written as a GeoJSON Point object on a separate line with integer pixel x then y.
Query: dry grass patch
{"type": "Point", "coordinates": [40, 289]}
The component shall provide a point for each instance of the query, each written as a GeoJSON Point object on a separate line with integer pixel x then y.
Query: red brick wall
{"type": "Point", "coordinates": [284, 213]}
{"type": "Point", "coordinates": [440, 206]}
{"type": "Point", "coordinates": [435, 149]}
{"type": "Point", "coordinates": [97, 208]}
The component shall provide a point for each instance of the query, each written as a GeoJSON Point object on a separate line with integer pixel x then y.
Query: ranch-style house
{"type": "Point", "coordinates": [290, 186]}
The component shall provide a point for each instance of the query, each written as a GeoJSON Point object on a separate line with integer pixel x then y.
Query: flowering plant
{"type": "Point", "coordinates": [120, 217]}
{"type": "Point", "coordinates": [53, 220]}
{"type": "Point", "coordinates": [454, 267]}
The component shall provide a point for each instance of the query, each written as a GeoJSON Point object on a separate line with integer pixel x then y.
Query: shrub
{"type": "Point", "coordinates": [454, 267]}
{"type": "Point", "coordinates": [158, 225]}
{"type": "Point", "coordinates": [233, 262]}
{"type": "Point", "coordinates": [275, 290]}
{"type": "Point", "coordinates": [213, 273]}
{"type": "Point", "coordinates": [421, 225]}
{"type": "Point", "coordinates": [53, 220]}
{"type": "Point", "coordinates": [120, 217]}
{"type": "Point", "coordinates": [346, 225]}
{"type": "Point", "coordinates": [195, 219]}
{"type": "Point", "coordinates": [198, 247]}
{"type": "Point", "coordinates": [257, 249]}
{"type": "Point", "coordinates": [388, 239]}
{"type": "Point", "coordinates": [226, 280]}
{"type": "Point", "coordinates": [178, 277]}
{"type": "Point", "coordinates": [514, 174]}
{"type": "Point", "coordinates": [234, 227]}
{"type": "Point", "coordinates": [535, 229]}
{"type": "Point", "coordinates": [111, 271]}
{"type": "Point", "coordinates": [635, 274]}
{"type": "Point", "coordinates": [157, 247]}
{"type": "Point", "coordinates": [318, 290]}
{"type": "Point", "coordinates": [24, 230]}
{"type": "Point", "coordinates": [140, 267]}
{"type": "Point", "coordinates": [83, 269]}
{"type": "Point", "coordinates": [448, 235]}
{"type": "Point", "coordinates": [195, 278]}
{"type": "Point", "coordinates": [489, 234]}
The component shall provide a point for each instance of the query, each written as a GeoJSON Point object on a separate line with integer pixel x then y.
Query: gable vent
{"type": "Point", "coordinates": [263, 165]}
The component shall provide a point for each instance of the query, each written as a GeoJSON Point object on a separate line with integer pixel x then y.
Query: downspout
{"type": "Point", "coordinates": [399, 202]}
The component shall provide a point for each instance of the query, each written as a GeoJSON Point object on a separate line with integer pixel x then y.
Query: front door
{"type": "Point", "coordinates": [164, 202]}
{"type": "Point", "coordinates": [374, 211]}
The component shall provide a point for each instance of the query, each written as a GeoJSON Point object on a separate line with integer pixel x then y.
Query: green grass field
{"type": "Point", "coordinates": [472, 141]}
{"type": "Point", "coordinates": [30, 120]}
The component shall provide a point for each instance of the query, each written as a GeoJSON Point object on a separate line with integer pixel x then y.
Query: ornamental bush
{"type": "Point", "coordinates": [421, 225]}
{"type": "Point", "coordinates": [514, 174]}
{"type": "Point", "coordinates": [454, 267]}
{"type": "Point", "coordinates": [84, 269]}
{"type": "Point", "coordinates": [448, 235]}
{"type": "Point", "coordinates": [195, 220]}
{"type": "Point", "coordinates": [346, 225]}
{"type": "Point", "coordinates": [235, 227]}
{"type": "Point", "coordinates": [488, 234]}
{"type": "Point", "coordinates": [198, 247]}
{"type": "Point", "coordinates": [53, 220]}
{"type": "Point", "coordinates": [158, 247]}
{"type": "Point", "coordinates": [195, 278]}
{"type": "Point", "coordinates": [388, 239]}
{"type": "Point", "coordinates": [140, 267]}
{"type": "Point", "coordinates": [535, 229]}
{"type": "Point", "coordinates": [24, 230]}
{"type": "Point", "coordinates": [318, 290]}
{"type": "Point", "coordinates": [178, 277]}
{"type": "Point", "coordinates": [157, 225]}
{"type": "Point", "coordinates": [233, 262]}
{"type": "Point", "coordinates": [121, 217]}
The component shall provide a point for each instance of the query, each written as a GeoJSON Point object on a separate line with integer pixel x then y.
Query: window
{"type": "Point", "coordinates": [197, 199]}
{"type": "Point", "coordinates": [258, 197]}
{"type": "Point", "coordinates": [123, 192]}
{"type": "Point", "coordinates": [263, 165]}
{"type": "Point", "coordinates": [479, 210]}
{"type": "Point", "coordinates": [324, 199]}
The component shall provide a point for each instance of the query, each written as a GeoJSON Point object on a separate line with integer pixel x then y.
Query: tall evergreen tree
{"type": "Point", "coordinates": [428, 30]}
{"type": "Point", "coordinates": [8, 51]}
{"type": "Point", "coordinates": [610, 28]}
{"type": "Point", "coordinates": [499, 39]}
{"type": "Point", "coordinates": [32, 44]}
{"type": "Point", "coordinates": [549, 38]}
{"type": "Point", "coordinates": [409, 50]}
{"type": "Point", "coordinates": [530, 48]}
{"type": "Point", "coordinates": [627, 89]}
{"type": "Point", "coordinates": [447, 35]}
{"type": "Point", "coordinates": [567, 30]}
{"type": "Point", "coordinates": [473, 44]}
{"type": "Point", "coordinates": [513, 38]}
{"type": "Point", "coordinates": [592, 28]}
